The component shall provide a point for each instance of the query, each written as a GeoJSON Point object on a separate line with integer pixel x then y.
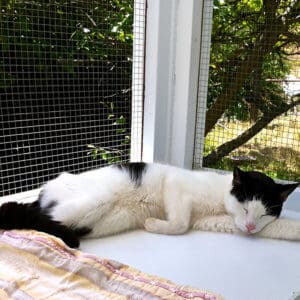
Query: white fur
{"type": "Point", "coordinates": [169, 201]}
{"type": "Point", "coordinates": [252, 211]}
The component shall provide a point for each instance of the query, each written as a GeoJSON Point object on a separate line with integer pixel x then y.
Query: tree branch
{"type": "Point", "coordinates": [226, 148]}
{"type": "Point", "coordinates": [265, 43]}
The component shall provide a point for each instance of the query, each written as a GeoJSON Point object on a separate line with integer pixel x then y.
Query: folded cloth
{"type": "Point", "coordinates": [35, 265]}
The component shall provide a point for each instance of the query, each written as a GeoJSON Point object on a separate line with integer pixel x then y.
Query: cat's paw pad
{"type": "Point", "coordinates": [226, 228]}
{"type": "Point", "coordinates": [151, 224]}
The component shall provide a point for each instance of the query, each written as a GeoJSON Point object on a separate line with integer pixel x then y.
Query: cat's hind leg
{"type": "Point", "coordinates": [115, 221]}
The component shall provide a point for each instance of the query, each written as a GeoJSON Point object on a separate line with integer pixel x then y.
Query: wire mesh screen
{"type": "Point", "coordinates": [206, 28]}
{"type": "Point", "coordinates": [66, 87]}
{"type": "Point", "coordinates": [253, 112]}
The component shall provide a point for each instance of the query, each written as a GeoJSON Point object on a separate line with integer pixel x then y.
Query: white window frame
{"type": "Point", "coordinates": [139, 25]}
{"type": "Point", "coordinates": [173, 47]}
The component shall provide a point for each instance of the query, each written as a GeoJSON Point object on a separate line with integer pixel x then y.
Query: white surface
{"type": "Point", "coordinates": [238, 267]}
{"type": "Point", "coordinates": [23, 197]}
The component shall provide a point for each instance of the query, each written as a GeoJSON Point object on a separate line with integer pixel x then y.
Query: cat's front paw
{"type": "Point", "coordinates": [216, 224]}
{"type": "Point", "coordinates": [282, 229]}
{"type": "Point", "coordinates": [151, 225]}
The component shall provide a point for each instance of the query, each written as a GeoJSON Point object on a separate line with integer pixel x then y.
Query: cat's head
{"type": "Point", "coordinates": [256, 200]}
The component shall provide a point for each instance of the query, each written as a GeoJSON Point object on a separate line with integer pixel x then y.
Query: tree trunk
{"type": "Point", "coordinates": [264, 45]}
{"type": "Point", "coordinates": [226, 148]}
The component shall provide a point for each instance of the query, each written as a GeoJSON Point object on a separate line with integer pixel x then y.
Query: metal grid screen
{"type": "Point", "coordinates": [252, 109]}
{"type": "Point", "coordinates": [66, 88]}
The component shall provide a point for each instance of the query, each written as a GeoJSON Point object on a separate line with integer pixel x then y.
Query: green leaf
{"type": "Point", "coordinates": [59, 11]}
{"type": "Point", "coordinates": [120, 131]}
{"type": "Point", "coordinates": [120, 121]}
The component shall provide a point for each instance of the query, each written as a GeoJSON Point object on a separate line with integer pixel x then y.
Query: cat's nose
{"type": "Point", "coordinates": [250, 227]}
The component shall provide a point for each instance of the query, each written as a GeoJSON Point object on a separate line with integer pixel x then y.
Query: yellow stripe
{"type": "Point", "coordinates": [40, 279]}
{"type": "Point", "coordinates": [4, 295]}
{"type": "Point", "coordinates": [25, 268]}
{"type": "Point", "coordinates": [57, 246]}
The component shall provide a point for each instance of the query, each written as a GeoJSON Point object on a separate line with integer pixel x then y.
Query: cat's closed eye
{"type": "Point", "coordinates": [246, 210]}
{"type": "Point", "coordinates": [265, 215]}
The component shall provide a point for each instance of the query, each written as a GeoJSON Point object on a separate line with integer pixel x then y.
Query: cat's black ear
{"type": "Point", "coordinates": [238, 175]}
{"type": "Point", "coordinates": [286, 189]}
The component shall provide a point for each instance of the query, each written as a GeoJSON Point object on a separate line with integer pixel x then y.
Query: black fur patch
{"type": "Point", "coordinates": [82, 231]}
{"type": "Point", "coordinates": [248, 186]}
{"type": "Point", "coordinates": [48, 208]}
{"type": "Point", "coordinates": [15, 215]}
{"type": "Point", "coordinates": [135, 171]}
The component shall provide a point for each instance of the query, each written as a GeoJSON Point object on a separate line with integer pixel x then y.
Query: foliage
{"type": "Point", "coordinates": [91, 28]}
{"type": "Point", "coordinates": [65, 85]}
{"type": "Point", "coordinates": [76, 41]}
{"type": "Point", "coordinates": [252, 41]}
{"type": "Point", "coordinates": [68, 43]}
{"type": "Point", "coordinates": [265, 152]}
{"type": "Point", "coordinates": [237, 27]}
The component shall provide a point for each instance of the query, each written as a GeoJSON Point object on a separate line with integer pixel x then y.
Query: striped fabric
{"type": "Point", "coordinates": [34, 265]}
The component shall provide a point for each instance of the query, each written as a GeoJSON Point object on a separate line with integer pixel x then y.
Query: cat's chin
{"type": "Point", "coordinates": [254, 231]}
{"type": "Point", "coordinates": [251, 232]}
{"type": "Point", "coordinates": [244, 230]}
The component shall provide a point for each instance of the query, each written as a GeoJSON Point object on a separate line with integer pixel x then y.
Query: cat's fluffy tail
{"type": "Point", "coordinates": [15, 215]}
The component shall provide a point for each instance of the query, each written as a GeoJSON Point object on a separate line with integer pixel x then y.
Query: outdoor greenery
{"type": "Point", "coordinates": [252, 42]}
{"type": "Point", "coordinates": [68, 52]}
{"type": "Point", "coordinates": [65, 80]}
{"type": "Point", "coordinates": [275, 150]}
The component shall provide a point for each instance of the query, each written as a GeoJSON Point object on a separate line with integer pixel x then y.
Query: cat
{"type": "Point", "coordinates": [165, 199]}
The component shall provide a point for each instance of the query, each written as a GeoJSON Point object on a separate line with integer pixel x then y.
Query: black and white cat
{"type": "Point", "coordinates": [167, 200]}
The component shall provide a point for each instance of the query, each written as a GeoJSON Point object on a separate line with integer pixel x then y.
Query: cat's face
{"type": "Point", "coordinates": [256, 200]}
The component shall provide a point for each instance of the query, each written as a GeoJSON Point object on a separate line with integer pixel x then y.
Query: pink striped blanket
{"type": "Point", "coordinates": [34, 265]}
